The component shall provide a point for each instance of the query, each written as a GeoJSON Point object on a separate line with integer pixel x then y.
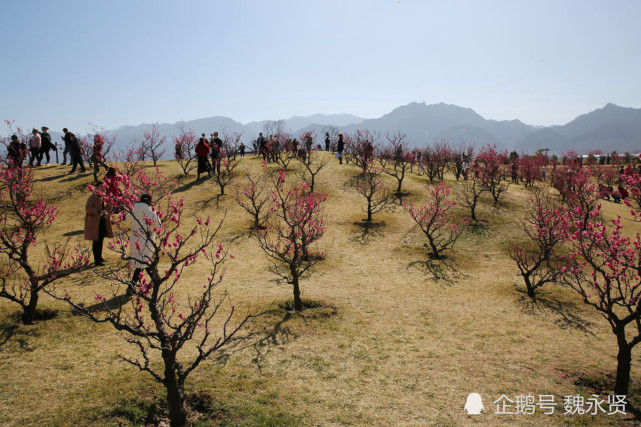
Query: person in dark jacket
{"type": "Point", "coordinates": [74, 149]}
{"type": "Point", "coordinates": [216, 150]}
{"type": "Point", "coordinates": [66, 151]}
{"type": "Point", "coordinates": [327, 141]}
{"type": "Point", "coordinates": [262, 146]}
{"type": "Point", "coordinates": [16, 152]}
{"type": "Point", "coordinates": [340, 146]}
{"type": "Point", "coordinates": [47, 145]}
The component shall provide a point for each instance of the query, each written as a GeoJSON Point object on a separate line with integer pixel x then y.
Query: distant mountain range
{"type": "Point", "coordinates": [609, 128]}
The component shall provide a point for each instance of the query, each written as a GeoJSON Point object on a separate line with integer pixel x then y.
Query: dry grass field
{"type": "Point", "coordinates": [395, 339]}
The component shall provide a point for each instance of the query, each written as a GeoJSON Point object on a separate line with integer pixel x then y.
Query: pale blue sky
{"type": "Point", "coordinates": [116, 62]}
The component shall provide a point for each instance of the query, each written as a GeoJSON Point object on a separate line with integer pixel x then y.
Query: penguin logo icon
{"type": "Point", "coordinates": [474, 404]}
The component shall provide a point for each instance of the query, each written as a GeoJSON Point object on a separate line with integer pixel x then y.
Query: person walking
{"type": "Point", "coordinates": [35, 143]}
{"type": "Point", "coordinates": [97, 222]}
{"type": "Point", "coordinates": [202, 151]}
{"type": "Point", "coordinates": [66, 151]}
{"type": "Point", "coordinates": [72, 143]}
{"type": "Point", "coordinates": [327, 141]}
{"type": "Point", "coordinates": [242, 149]}
{"type": "Point", "coordinates": [340, 147]}
{"type": "Point", "coordinates": [47, 145]}
{"type": "Point", "coordinates": [142, 240]}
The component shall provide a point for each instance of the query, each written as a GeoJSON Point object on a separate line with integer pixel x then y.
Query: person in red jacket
{"type": "Point", "coordinates": [202, 151]}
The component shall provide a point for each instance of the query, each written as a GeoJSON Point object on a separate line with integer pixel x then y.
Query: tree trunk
{"type": "Point", "coordinates": [623, 366]}
{"type": "Point", "coordinates": [298, 303]}
{"type": "Point", "coordinates": [175, 392]}
{"type": "Point", "coordinates": [30, 309]}
{"type": "Point", "coordinates": [528, 285]}
{"type": "Point", "coordinates": [435, 251]}
{"type": "Point", "coordinates": [400, 183]}
{"type": "Point", "coordinates": [369, 212]}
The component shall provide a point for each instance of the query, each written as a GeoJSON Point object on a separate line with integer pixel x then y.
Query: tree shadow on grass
{"type": "Point", "coordinates": [10, 328]}
{"type": "Point", "coordinates": [189, 185]}
{"type": "Point", "coordinates": [400, 196]}
{"type": "Point", "coordinates": [267, 336]}
{"type": "Point", "coordinates": [442, 271]}
{"type": "Point", "coordinates": [75, 176]}
{"type": "Point", "coordinates": [73, 233]}
{"type": "Point", "coordinates": [565, 314]}
{"type": "Point", "coordinates": [51, 178]}
{"type": "Point", "coordinates": [367, 231]}
{"type": "Point", "coordinates": [208, 203]}
{"type": "Point", "coordinates": [111, 304]}
{"type": "Point", "coordinates": [243, 236]}
{"type": "Point", "coordinates": [262, 339]}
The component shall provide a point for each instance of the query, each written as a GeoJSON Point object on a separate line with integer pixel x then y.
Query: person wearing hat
{"type": "Point", "coordinates": [340, 146]}
{"type": "Point", "coordinates": [47, 145]}
{"type": "Point", "coordinates": [35, 143]}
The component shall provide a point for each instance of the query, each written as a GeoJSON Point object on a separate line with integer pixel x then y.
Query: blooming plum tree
{"type": "Point", "coordinates": [604, 268]}
{"type": "Point", "coordinates": [493, 171]}
{"type": "Point", "coordinates": [395, 159]}
{"type": "Point", "coordinates": [254, 197]}
{"type": "Point", "coordinates": [151, 143]}
{"type": "Point", "coordinates": [362, 147]}
{"type": "Point", "coordinates": [313, 162]}
{"type": "Point", "coordinates": [470, 196]}
{"type": "Point", "coordinates": [436, 220]}
{"type": "Point", "coordinates": [185, 153]}
{"type": "Point", "coordinates": [23, 221]}
{"type": "Point", "coordinates": [161, 325]}
{"type": "Point", "coordinates": [537, 259]}
{"type": "Point", "coordinates": [370, 184]}
{"type": "Point", "coordinates": [461, 153]}
{"type": "Point", "coordinates": [294, 225]}
{"type": "Point", "coordinates": [223, 170]}
{"type": "Point", "coordinates": [435, 160]}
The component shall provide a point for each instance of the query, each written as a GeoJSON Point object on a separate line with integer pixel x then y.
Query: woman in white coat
{"type": "Point", "coordinates": [141, 242]}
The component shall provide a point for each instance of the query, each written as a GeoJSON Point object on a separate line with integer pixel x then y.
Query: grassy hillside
{"type": "Point", "coordinates": [397, 339]}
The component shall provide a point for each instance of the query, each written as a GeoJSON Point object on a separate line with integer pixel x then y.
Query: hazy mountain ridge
{"type": "Point", "coordinates": [609, 128]}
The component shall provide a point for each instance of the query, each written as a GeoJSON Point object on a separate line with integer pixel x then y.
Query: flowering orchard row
{"type": "Point", "coordinates": [598, 261]}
